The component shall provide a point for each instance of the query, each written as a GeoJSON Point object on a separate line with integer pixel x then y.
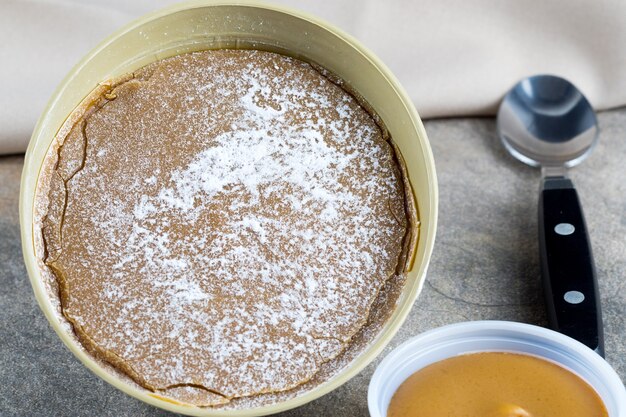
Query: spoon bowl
{"type": "Point", "coordinates": [546, 121]}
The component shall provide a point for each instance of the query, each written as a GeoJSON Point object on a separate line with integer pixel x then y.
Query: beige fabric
{"type": "Point", "coordinates": [455, 57]}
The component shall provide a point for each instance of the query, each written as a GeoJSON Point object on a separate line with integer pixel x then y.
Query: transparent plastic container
{"type": "Point", "coordinates": [494, 336]}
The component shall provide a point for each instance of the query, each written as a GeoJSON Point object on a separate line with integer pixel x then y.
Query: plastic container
{"type": "Point", "coordinates": [494, 336]}
{"type": "Point", "coordinates": [203, 24]}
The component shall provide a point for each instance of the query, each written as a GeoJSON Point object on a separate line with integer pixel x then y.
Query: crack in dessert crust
{"type": "Point", "coordinates": [83, 125]}
{"type": "Point", "coordinates": [190, 385]}
{"type": "Point", "coordinates": [402, 264]}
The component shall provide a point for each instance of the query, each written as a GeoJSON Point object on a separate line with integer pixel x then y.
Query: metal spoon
{"type": "Point", "coordinates": [545, 121]}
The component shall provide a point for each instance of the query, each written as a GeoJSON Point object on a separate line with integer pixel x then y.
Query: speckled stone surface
{"type": "Point", "coordinates": [484, 266]}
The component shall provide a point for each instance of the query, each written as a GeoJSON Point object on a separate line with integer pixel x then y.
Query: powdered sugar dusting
{"type": "Point", "coordinates": [236, 217]}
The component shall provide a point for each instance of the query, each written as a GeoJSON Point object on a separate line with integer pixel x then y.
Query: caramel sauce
{"type": "Point", "coordinates": [495, 384]}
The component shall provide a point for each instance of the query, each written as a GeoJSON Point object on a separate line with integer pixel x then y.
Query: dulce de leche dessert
{"type": "Point", "coordinates": [221, 224]}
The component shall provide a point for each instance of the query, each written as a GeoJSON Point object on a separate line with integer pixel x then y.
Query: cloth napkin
{"type": "Point", "coordinates": [455, 57]}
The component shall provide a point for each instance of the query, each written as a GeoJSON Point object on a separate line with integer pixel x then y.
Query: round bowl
{"type": "Point", "coordinates": [494, 336]}
{"type": "Point", "coordinates": [199, 25]}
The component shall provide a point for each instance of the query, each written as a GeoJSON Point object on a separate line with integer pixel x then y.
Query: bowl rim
{"type": "Point", "coordinates": [466, 332]}
{"type": "Point", "coordinates": [32, 169]}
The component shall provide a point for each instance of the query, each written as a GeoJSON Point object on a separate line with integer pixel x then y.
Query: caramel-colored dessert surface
{"type": "Point", "coordinates": [220, 223]}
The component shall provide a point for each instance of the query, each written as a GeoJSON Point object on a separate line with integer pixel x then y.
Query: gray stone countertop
{"type": "Point", "coordinates": [484, 266]}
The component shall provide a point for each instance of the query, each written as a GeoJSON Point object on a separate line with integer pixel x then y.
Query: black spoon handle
{"type": "Point", "coordinates": [567, 267]}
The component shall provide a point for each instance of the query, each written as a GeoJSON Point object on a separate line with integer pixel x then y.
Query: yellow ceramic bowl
{"type": "Point", "coordinates": [205, 24]}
